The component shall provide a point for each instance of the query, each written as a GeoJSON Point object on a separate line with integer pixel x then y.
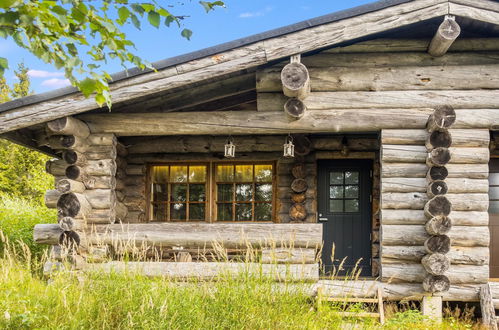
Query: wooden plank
{"type": "Point", "coordinates": [460, 77]}
{"type": "Point", "coordinates": [482, 4]}
{"type": "Point", "coordinates": [358, 314]}
{"type": "Point", "coordinates": [288, 256]}
{"type": "Point", "coordinates": [487, 307]}
{"type": "Point", "coordinates": [384, 45]}
{"type": "Point", "coordinates": [477, 99]}
{"type": "Point", "coordinates": [210, 270]}
{"type": "Point", "coordinates": [350, 300]}
{"type": "Point", "coordinates": [478, 14]}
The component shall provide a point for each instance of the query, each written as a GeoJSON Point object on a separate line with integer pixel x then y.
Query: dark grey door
{"type": "Point", "coordinates": [344, 205]}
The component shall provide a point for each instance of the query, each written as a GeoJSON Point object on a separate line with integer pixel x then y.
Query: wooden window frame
{"type": "Point", "coordinates": [211, 185]}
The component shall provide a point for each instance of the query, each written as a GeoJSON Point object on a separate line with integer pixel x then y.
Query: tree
{"type": "Point", "coordinates": [22, 170]}
{"type": "Point", "coordinates": [58, 31]}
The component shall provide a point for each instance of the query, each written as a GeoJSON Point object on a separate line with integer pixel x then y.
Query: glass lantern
{"type": "Point", "coordinates": [289, 147]}
{"type": "Point", "coordinates": [230, 148]}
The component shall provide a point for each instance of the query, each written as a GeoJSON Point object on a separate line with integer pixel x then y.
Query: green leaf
{"type": "Point", "coordinates": [135, 22]}
{"type": "Point", "coordinates": [169, 20]}
{"type": "Point", "coordinates": [137, 8]}
{"type": "Point", "coordinates": [154, 18]}
{"type": "Point", "coordinates": [211, 5]}
{"type": "Point", "coordinates": [148, 7]}
{"type": "Point", "coordinates": [4, 64]}
{"type": "Point", "coordinates": [123, 13]}
{"type": "Point", "coordinates": [59, 10]}
{"type": "Point", "coordinates": [7, 3]}
{"type": "Point", "coordinates": [87, 86]}
{"type": "Point", "coordinates": [186, 33]}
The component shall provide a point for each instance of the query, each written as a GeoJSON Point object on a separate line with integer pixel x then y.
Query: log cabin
{"type": "Point", "coordinates": [367, 137]}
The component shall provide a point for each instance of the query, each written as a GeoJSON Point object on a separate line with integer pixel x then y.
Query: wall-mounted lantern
{"type": "Point", "coordinates": [289, 147]}
{"type": "Point", "coordinates": [230, 148]}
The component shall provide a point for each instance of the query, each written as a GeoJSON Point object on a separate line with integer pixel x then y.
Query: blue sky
{"type": "Point", "coordinates": [239, 19]}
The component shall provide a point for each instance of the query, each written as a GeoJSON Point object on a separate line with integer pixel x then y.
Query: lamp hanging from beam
{"type": "Point", "coordinates": [230, 148]}
{"type": "Point", "coordinates": [289, 147]}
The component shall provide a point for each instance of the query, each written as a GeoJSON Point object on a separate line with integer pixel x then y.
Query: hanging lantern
{"type": "Point", "coordinates": [230, 148]}
{"type": "Point", "coordinates": [289, 147]}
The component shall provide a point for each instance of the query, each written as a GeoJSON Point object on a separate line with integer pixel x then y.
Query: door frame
{"type": "Point", "coordinates": [366, 191]}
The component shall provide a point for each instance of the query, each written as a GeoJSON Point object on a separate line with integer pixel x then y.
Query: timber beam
{"type": "Point", "coordinates": [446, 33]}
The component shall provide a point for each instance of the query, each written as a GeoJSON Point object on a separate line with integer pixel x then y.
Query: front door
{"type": "Point", "coordinates": [344, 207]}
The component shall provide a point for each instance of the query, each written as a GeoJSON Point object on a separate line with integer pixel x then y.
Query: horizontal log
{"type": "Point", "coordinates": [101, 216]}
{"type": "Point", "coordinates": [135, 170]}
{"type": "Point", "coordinates": [102, 140]}
{"type": "Point", "coordinates": [388, 78]}
{"type": "Point", "coordinates": [100, 152]}
{"type": "Point", "coordinates": [72, 142]}
{"type": "Point", "coordinates": [68, 185]}
{"type": "Point", "coordinates": [477, 138]}
{"type": "Point", "coordinates": [135, 216]}
{"type": "Point", "coordinates": [393, 291]}
{"type": "Point", "coordinates": [405, 235]}
{"type": "Point", "coordinates": [56, 167]}
{"type": "Point", "coordinates": [460, 202]}
{"type": "Point", "coordinates": [458, 255]}
{"type": "Point", "coordinates": [47, 234]}
{"type": "Point", "coordinates": [252, 122]}
{"type": "Point", "coordinates": [210, 270]}
{"type": "Point", "coordinates": [68, 126]}
{"type": "Point", "coordinates": [415, 273]}
{"type": "Point", "coordinates": [289, 256]}
{"type": "Point", "coordinates": [101, 198]}
{"type": "Point", "coordinates": [416, 170]}
{"type": "Point", "coordinates": [103, 167]}
{"type": "Point", "coordinates": [73, 205]}
{"type": "Point", "coordinates": [419, 154]}
{"type": "Point", "coordinates": [51, 198]}
{"type": "Point", "coordinates": [417, 217]}
{"type": "Point", "coordinates": [99, 182]}
{"type": "Point", "coordinates": [454, 185]}
{"type": "Point", "coordinates": [459, 99]}
{"type": "Point", "coordinates": [74, 158]}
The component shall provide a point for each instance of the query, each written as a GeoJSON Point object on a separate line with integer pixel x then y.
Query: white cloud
{"type": "Point", "coordinates": [256, 13]}
{"type": "Point", "coordinates": [55, 83]}
{"type": "Point", "coordinates": [44, 74]}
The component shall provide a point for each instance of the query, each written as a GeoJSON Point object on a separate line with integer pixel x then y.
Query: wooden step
{"type": "Point", "coordinates": [352, 300]}
{"type": "Point", "coordinates": [358, 314]}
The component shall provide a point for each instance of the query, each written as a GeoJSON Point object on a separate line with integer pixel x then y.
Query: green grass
{"type": "Point", "coordinates": [17, 219]}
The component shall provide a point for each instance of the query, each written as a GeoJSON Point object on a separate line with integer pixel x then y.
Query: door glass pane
{"type": "Point", "coordinates": [177, 211]}
{"type": "Point", "coordinates": [225, 192]}
{"type": "Point", "coordinates": [159, 212]}
{"type": "Point", "coordinates": [244, 173]}
{"type": "Point", "coordinates": [178, 173]}
{"type": "Point", "coordinates": [179, 192]}
{"type": "Point", "coordinates": [336, 192]}
{"type": "Point", "coordinates": [197, 173]}
{"type": "Point", "coordinates": [494, 179]}
{"type": "Point", "coordinates": [263, 192]}
{"type": "Point", "coordinates": [494, 207]}
{"type": "Point", "coordinates": [196, 211]}
{"type": "Point", "coordinates": [160, 174]}
{"type": "Point", "coordinates": [159, 192]}
{"type": "Point", "coordinates": [494, 192]}
{"type": "Point", "coordinates": [263, 173]}
{"type": "Point", "coordinates": [351, 191]}
{"type": "Point", "coordinates": [197, 192]}
{"type": "Point", "coordinates": [336, 178]}
{"type": "Point", "coordinates": [351, 177]}
{"type": "Point", "coordinates": [351, 205]}
{"type": "Point", "coordinates": [263, 212]}
{"type": "Point", "coordinates": [225, 173]}
{"type": "Point", "coordinates": [243, 212]}
{"type": "Point", "coordinates": [244, 192]}
{"type": "Point", "coordinates": [336, 205]}
{"type": "Point", "coordinates": [224, 212]}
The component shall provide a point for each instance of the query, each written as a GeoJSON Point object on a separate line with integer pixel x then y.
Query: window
{"type": "Point", "coordinates": [178, 192]}
{"type": "Point", "coordinates": [244, 192]}
{"type": "Point", "coordinates": [344, 191]}
{"type": "Point", "coordinates": [240, 192]}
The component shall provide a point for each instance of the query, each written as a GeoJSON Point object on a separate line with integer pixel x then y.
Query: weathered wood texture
{"type": "Point", "coordinates": [457, 254]}
{"type": "Point", "coordinates": [417, 217]}
{"type": "Point", "coordinates": [415, 273]}
{"type": "Point", "coordinates": [487, 307]}
{"type": "Point", "coordinates": [446, 33]}
{"type": "Point", "coordinates": [289, 256]}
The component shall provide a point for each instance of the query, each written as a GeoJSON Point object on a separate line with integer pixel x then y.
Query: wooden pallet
{"type": "Point", "coordinates": [321, 297]}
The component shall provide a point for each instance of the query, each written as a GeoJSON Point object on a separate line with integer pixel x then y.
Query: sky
{"type": "Point", "coordinates": [240, 18]}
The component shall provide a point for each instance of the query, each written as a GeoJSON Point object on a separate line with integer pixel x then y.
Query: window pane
{"type": "Point", "coordinates": [196, 211]}
{"type": "Point", "coordinates": [159, 192]}
{"type": "Point", "coordinates": [160, 174]}
{"type": "Point", "coordinates": [263, 192]}
{"type": "Point", "coordinates": [178, 173]}
{"type": "Point", "coordinates": [336, 192]}
{"type": "Point", "coordinates": [224, 212]}
{"type": "Point", "coordinates": [225, 173]}
{"type": "Point", "coordinates": [225, 192]}
{"type": "Point", "coordinates": [494, 207]}
{"type": "Point", "coordinates": [493, 179]}
{"type": "Point", "coordinates": [197, 192]}
{"type": "Point", "coordinates": [336, 178]}
{"type": "Point", "coordinates": [263, 173]}
{"type": "Point", "coordinates": [159, 212]}
{"type": "Point", "coordinates": [197, 173]}
{"type": "Point", "coordinates": [351, 177]}
{"type": "Point", "coordinates": [244, 173]}
{"type": "Point", "coordinates": [351, 205]}
{"type": "Point", "coordinates": [244, 192]}
{"type": "Point", "coordinates": [351, 191]}
{"type": "Point", "coordinates": [177, 211]}
{"type": "Point", "coordinates": [263, 212]}
{"type": "Point", "coordinates": [494, 192]}
{"type": "Point", "coordinates": [179, 193]}
{"type": "Point", "coordinates": [336, 205]}
{"type": "Point", "coordinates": [243, 212]}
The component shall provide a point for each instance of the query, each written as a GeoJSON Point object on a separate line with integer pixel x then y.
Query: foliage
{"type": "Point", "coordinates": [22, 171]}
{"type": "Point", "coordinates": [59, 31]}
{"type": "Point", "coordinates": [17, 219]}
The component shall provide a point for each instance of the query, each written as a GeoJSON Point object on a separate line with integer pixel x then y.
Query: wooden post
{"type": "Point", "coordinates": [295, 80]}
{"type": "Point", "coordinates": [447, 32]}
{"type": "Point", "coordinates": [432, 307]}
{"type": "Point", "coordinates": [487, 307]}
